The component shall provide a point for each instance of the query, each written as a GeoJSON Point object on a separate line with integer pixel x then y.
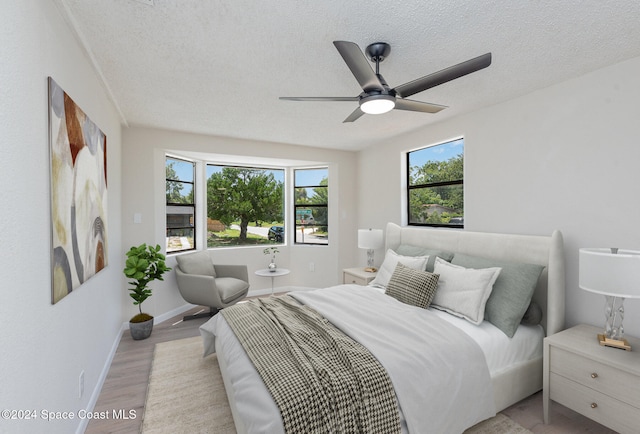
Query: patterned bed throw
{"type": "Point", "coordinates": [321, 380]}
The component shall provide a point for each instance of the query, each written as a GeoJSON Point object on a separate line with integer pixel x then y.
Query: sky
{"type": "Point", "coordinates": [441, 152]}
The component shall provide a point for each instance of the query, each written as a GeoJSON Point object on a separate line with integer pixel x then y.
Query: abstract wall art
{"type": "Point", "coordinates": [78, 194]}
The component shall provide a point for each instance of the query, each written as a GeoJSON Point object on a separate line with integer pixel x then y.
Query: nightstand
{"type": "Point", "coordinates": [598, 382]}
{"type": "Point", "coordinates": [358, 276]}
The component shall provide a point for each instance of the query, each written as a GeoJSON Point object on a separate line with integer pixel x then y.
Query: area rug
{"type": "Point", "coordinates": [186, 394]}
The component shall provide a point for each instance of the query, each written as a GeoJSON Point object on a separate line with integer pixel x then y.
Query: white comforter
{"type": "Point", "coordinates": [439, 374]}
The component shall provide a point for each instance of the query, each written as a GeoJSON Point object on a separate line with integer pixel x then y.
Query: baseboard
{"type": "Point", "coordinates": [105, 370]}
{"type": "Point", "coordinates": [165, 316]}
{"type": "Point", "coordinates": [82, 426]}
{"type": "Point", "coordinates": [156, 320]}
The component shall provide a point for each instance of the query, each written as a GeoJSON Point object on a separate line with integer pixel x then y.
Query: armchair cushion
{"type": "Point", "coordinates": [196, 263]}
{"type": "Point", "coordinates": [231, 288]}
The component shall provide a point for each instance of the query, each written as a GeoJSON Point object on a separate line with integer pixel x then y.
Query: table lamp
{"type": "Point", "coordinates": [616, 275]}
{"type": "Point", "coordinates": [370, 239]}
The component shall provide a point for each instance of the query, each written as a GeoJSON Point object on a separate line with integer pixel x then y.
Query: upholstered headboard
{"type": "Point", "coordinates": [530, 249]}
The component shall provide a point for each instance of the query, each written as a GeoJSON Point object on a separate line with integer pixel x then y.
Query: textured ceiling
{"type": "Point", "coordinates": [218, 67]}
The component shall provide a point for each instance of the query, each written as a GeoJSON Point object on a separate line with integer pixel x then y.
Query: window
{"type": "Point", "coordinates": [435, 186]}
{"type": "Point", "coordinates": [180, 207]}
{"type": "Point", "coordinates": [245, 206]}
{"type": "Point", "coordinates": [311, 205]}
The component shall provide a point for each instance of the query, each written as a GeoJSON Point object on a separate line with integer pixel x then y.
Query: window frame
{"type": "Point", "coordinates": [295, 206]}
{"type": "Point", "coordinates": [411, 187]}
{"type": "Point", "coordinates": [192, 205]}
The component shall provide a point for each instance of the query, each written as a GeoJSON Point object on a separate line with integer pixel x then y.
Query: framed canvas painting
{"type": "Point", "coordinates": [78, 194]}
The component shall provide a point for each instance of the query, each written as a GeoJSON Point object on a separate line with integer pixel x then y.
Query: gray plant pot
{"type": "Point", "coordinates": [141, 330]}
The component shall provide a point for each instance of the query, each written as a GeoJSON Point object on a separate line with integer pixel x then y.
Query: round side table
{"type": "Point", "coordinates": [273, 274]}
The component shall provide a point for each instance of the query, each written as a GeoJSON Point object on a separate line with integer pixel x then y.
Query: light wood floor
{"type": "Point", "coordinates": [125, 388]}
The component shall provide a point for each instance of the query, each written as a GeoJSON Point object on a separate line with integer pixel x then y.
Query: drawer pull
{"type": "Point", "coordinates": [594, 405]}
{"type": "Point", "coordinates": [594, 375]}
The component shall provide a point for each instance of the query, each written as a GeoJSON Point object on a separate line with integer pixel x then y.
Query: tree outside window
{"type": "Point", "coordinates": [180, 205]}
{"type": "Point", "coordinates": [311, 206]}
{"type": "Point", "coordinates": [436, 185]}
{"type": "Point", "coordinates": [245, 206]}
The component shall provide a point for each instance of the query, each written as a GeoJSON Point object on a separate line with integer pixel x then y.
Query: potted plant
{"type": "Point", "coordinates": [144, 265]}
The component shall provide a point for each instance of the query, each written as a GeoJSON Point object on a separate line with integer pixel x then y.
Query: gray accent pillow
{"type": "Point", "coordinates": [533, 315]}
{"type": "Point", "coordinates": [411, 250]}
{"type": "Point", "coordinates": [196, 263]}
{"type": "Point", "coordinates": [411, 286]}
{"type": "Point", "coordinates": [511, 293]}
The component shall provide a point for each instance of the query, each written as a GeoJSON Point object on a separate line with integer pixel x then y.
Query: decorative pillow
{"type": "Point", "coordinates": [391, 259]}
{"type": "Point", "coordinates": [413, 287]}
{"type": "Point", "coordinates": [196, 263]}
{"type": "Point", "coordinates": [533, 315]}
{"type": "Point", "coordinates": [511, 293]}
{"type": "Point", "coordinates": [463, 291]}
{"type": "Point", "coordinates": [411, 250]}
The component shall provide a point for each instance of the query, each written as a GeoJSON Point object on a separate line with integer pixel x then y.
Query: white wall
{"type": "Point", "coordinates": [144, 193]}
{"type": "Point", "coordinates": [45, 346]}
{"type": "Point", "coordinates": [565, 157]}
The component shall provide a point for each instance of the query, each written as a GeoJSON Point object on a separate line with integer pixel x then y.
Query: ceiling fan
{"type": "Point", "coordinates": [377, 97]}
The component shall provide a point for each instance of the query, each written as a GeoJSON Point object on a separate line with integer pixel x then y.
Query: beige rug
{"type": "Point", "coordinates": [186, 394]}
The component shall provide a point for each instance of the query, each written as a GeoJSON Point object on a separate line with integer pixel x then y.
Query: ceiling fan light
{"type": "Point", "coordinates": [377, 104]}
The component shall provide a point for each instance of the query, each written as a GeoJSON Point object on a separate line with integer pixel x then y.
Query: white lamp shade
{"type": "Point", "coordinates": [606, 273]}
{"type": "Point", "coordinates": [370, 238]}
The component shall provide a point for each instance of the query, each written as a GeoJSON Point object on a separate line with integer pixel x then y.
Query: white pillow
{"type": "Point", "coordinates": [463, 291]}
{"type": "Point", "coordinates": [388, 266]}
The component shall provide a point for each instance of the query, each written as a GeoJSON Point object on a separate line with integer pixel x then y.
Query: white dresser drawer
{"type": "Point", "coordinates": [599, 382]}
{"type": "Point", "coordinates": [350, 278]}
{"type": "Point", "coordinates": [602, 408]}
{"type": "Point", "coordinates": [603, 378]}
{"type": "Point", "coordinates": [357, 276]}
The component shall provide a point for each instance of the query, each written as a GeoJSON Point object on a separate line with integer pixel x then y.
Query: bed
{"type": "Point", "coordinates": [513, 364]}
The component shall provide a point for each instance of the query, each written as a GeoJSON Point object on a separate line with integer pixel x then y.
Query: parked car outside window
{"type": "Point", "coordinates": [276, 233]}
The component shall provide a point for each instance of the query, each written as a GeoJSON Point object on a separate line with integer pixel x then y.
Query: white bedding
{"type": "Point", "coordinates": [501, 352]}
{"type": "Point", "coordinates": [462, 380]}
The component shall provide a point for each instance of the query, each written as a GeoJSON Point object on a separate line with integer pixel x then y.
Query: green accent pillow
{"type": "Point", "coordinates": [511, 293]}
{"type": "Point", "coordinates": [411, 250]}
{"type": "Point", "coordinates": [411, 286]}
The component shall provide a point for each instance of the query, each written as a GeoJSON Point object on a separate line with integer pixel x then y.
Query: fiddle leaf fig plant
{"type": "Point", "coordinates": [144, 265]}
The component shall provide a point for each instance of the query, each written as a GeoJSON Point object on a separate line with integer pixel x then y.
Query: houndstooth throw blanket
{"type": "Point", "coordinates": [321, 380]}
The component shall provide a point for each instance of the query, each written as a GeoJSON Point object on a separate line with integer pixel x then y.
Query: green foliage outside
{"type": "Point", "coordinates": [174, 188]}
{"type": "Point", "coordinates": [231, 237]}
{"type": "Point", "coordinates": [244, 195]}
{"type": "Point", "coordinates": [449, 198]}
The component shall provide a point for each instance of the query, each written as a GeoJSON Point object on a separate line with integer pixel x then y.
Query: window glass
{"type": "Point", "coordinates": [180, 205]}
{"type": "Point", "coordinates": [311, 206]}
{"type": "Point", "coordinates": [436, 185]}
{"type": "Point", "coordinates": [245, 206]}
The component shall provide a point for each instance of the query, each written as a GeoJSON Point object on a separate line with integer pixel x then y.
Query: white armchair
{"type": "Point", "coordinates": [204, 283]}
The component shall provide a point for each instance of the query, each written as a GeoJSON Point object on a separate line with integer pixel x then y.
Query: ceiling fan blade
{"type": "Point", "coordinates": [355, 115]}
{"type": "Point", "coordinates": [359, 65]}
{"type": "Point", "coordinates": [320, 98]}
{"type": "Point", "coordinates": [443, 76]}
{"type": "Point", "coordinates": [418, 106]}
